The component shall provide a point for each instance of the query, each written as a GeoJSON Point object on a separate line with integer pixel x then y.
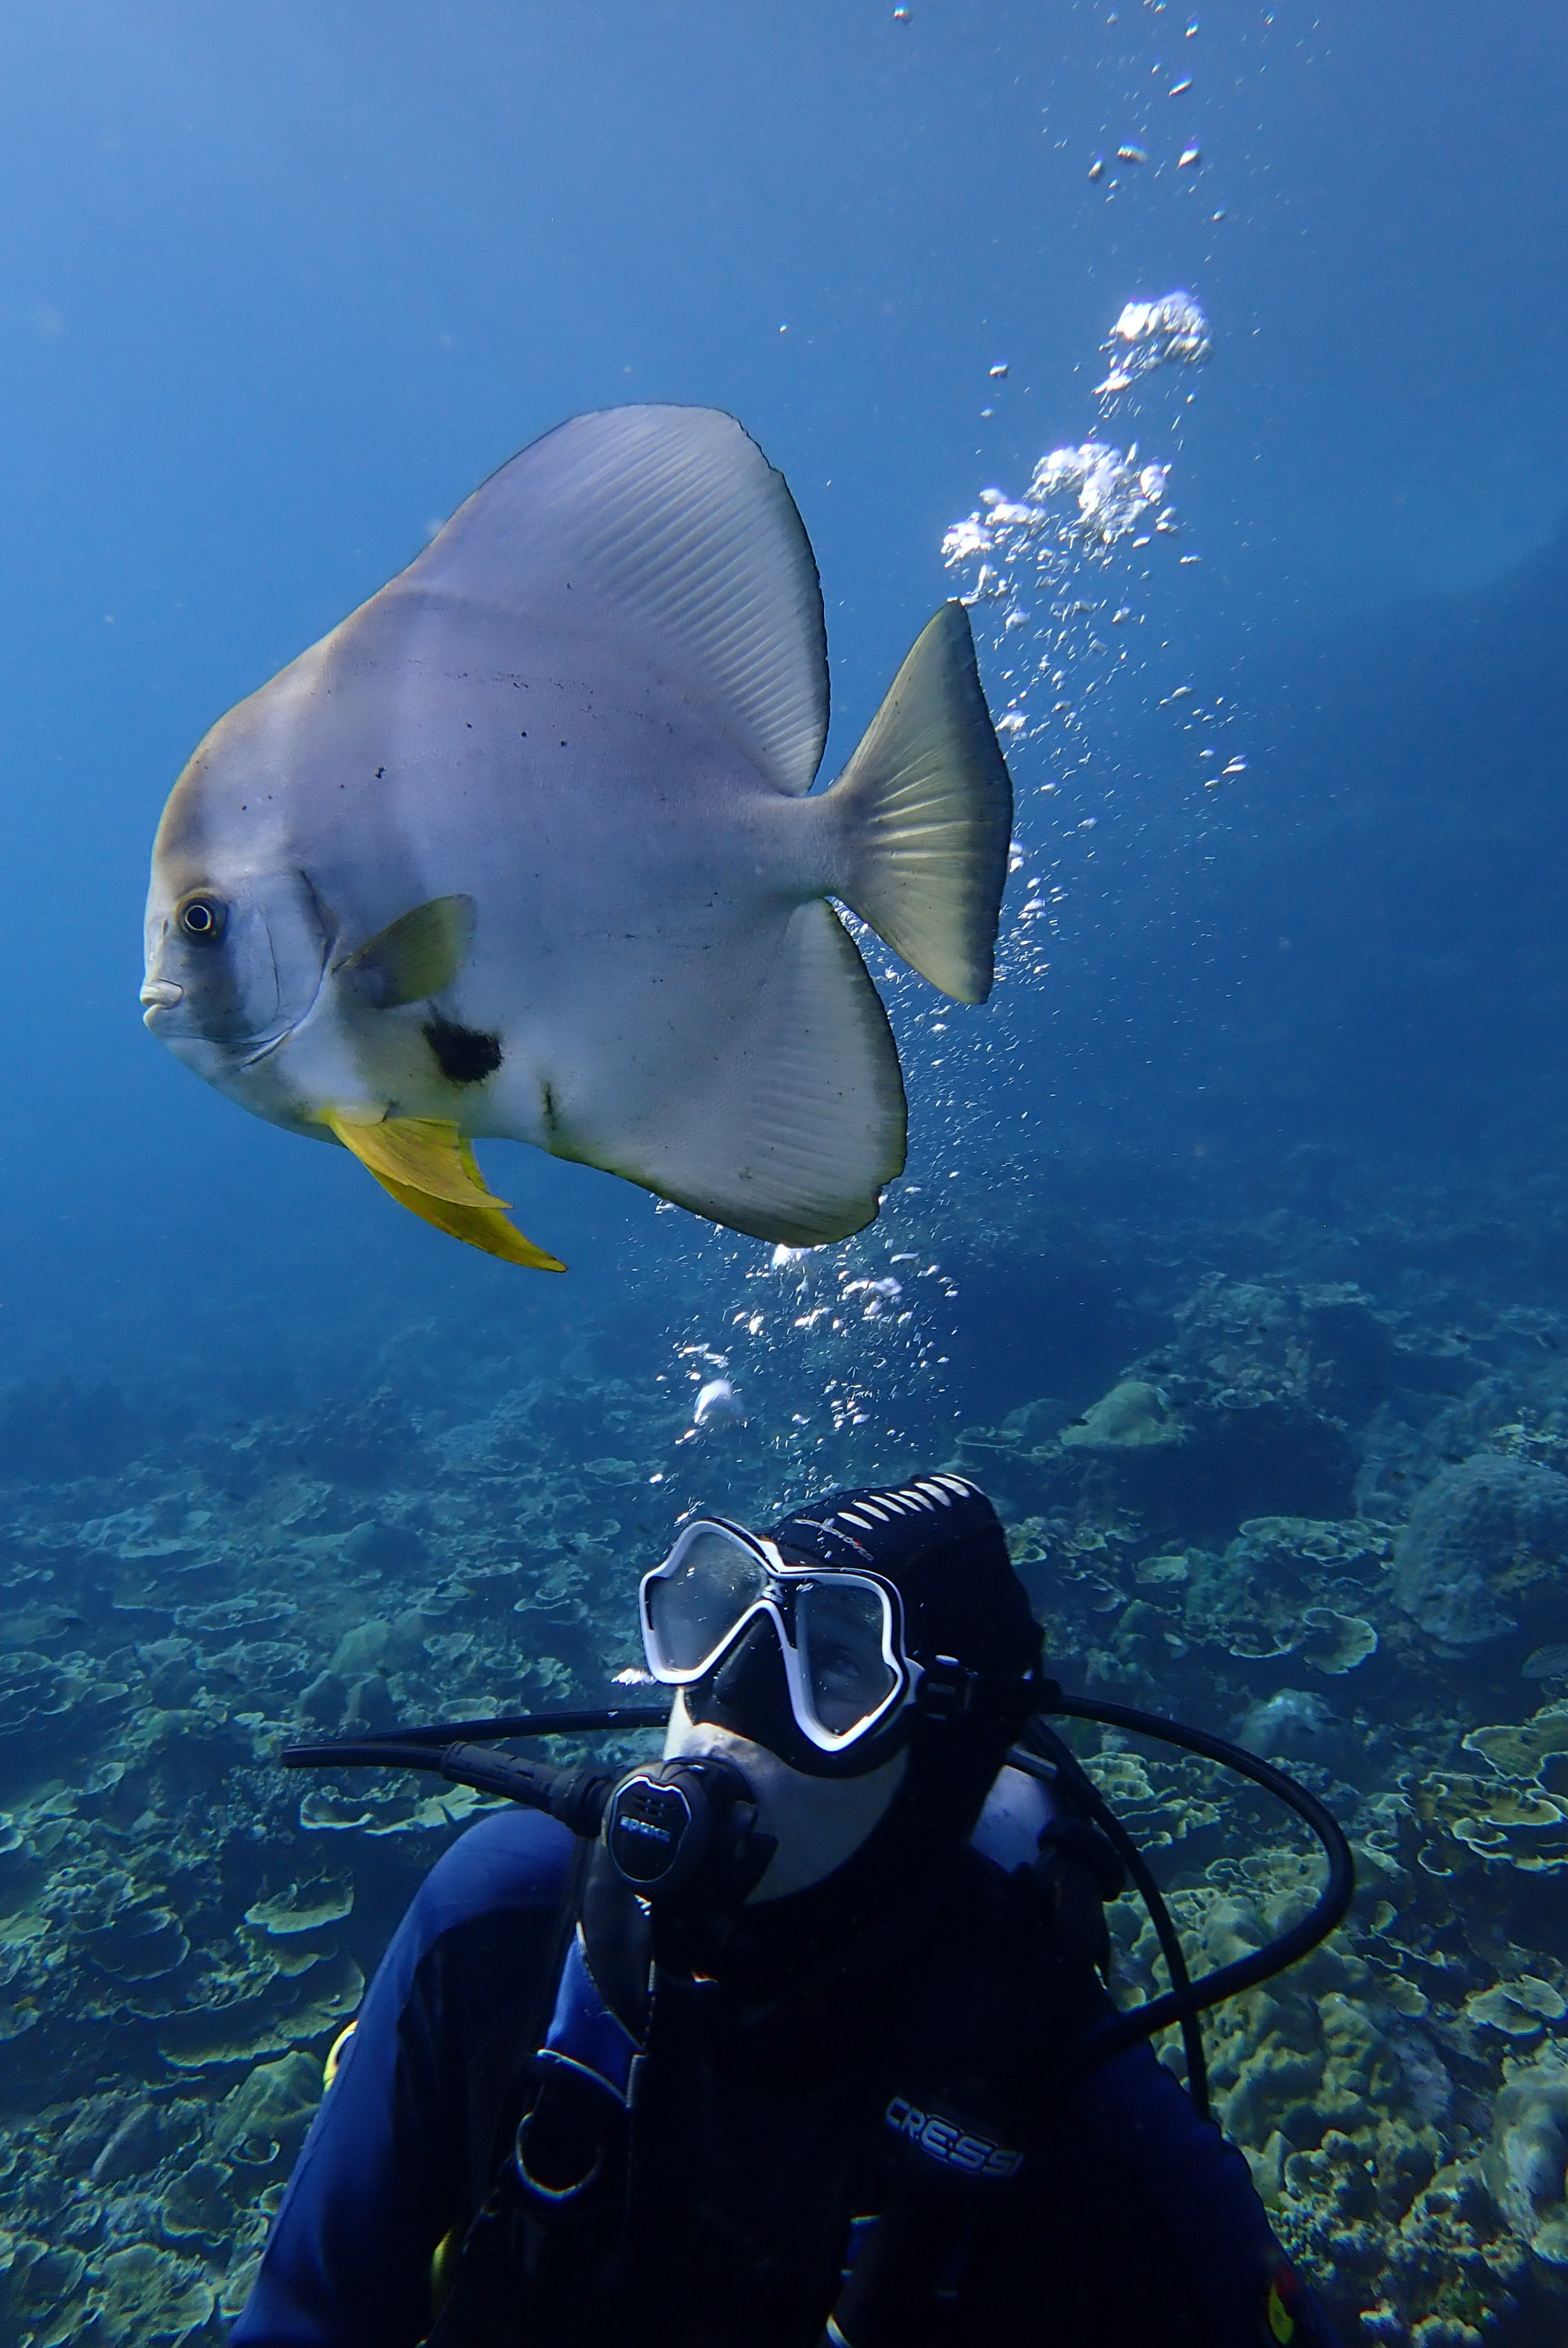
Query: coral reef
{"type": "Point", "coordinates": [1484, 1556]}
{"type": "Point", "coordinates": [1328, 1516]}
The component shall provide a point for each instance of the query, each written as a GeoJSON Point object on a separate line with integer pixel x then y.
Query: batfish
{"type": "Point", "coordinates": [528, 848]}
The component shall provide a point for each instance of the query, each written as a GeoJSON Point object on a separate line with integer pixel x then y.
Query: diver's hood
{"type": "Point", "coordinates": [966, 1623]}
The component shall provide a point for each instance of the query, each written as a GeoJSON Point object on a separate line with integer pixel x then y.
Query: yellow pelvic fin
{"type": "Point", "coordinates": [428, 1167]}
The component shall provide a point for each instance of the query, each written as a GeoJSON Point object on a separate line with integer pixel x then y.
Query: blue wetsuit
{"type": "Point", "coordinates": [1140, 2224]}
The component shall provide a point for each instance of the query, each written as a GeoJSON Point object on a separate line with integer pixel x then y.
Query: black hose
{"type": "Point", "coordinates": [1066, 1764]}
{"type": "Point", "coordinates": [515, 1724]}
{"type": "Point", "coordinates": [575, 1797]}
{"type": "Point", "coordinates": [1229, 1980]}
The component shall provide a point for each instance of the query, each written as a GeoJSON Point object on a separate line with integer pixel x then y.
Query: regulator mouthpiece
{"type": "Point", "coordinates": [686, 1826]}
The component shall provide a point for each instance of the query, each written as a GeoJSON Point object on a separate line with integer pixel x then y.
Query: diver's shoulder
{"type": "Point", "coordinates": [514, 1859]}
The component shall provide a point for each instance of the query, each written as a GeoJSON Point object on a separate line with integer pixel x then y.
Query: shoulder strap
{"type": "Point", "coordinates": [584, 2033]}
{"type": "Point", "coordinates": [496, 2101]}
{"type": "Point", "coordinates": [470, 2275]}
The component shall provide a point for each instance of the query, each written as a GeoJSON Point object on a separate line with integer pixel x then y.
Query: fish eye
{"type": "Point", "coordinates": [202, 918]}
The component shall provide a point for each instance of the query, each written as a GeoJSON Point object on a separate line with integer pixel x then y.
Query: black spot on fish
{"type": "Point", "coordinates": [465, 1056]}
{"type": "Point", "coordinates": [547, 1107]}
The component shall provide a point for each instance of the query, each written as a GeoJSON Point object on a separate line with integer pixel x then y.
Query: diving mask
{"type": "Point", "coordinates": [840, 1634]}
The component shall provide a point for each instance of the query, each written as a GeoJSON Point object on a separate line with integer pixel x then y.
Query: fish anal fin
{"type": "Point", "coordinates": [417, 955]}
{"type": "Point", "coordinates": [428, 1167]}
{"type": "Point", "coordinates": [794, 1138]}
{"type": "Point", "coordinates": [422, 1153]}
{"type": "Point", "coordinates": [926, 814]}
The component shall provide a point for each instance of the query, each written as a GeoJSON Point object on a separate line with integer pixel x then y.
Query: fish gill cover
{"type": "Point", "coordinates": [1229, 1258]}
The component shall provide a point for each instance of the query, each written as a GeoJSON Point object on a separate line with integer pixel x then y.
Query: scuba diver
{"type": "Point", "coordinates": [798, 2036]}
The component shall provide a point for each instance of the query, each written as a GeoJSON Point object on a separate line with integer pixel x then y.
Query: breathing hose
{"type": "Point", "coordinates": [1059, 1762]}
{"type": "Point", "coordinates": [577, 1797]}
{"type": "Point", "coordinates": [1190, 1998]}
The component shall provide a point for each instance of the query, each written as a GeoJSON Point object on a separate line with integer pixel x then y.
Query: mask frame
{"type": "Point", "coordinates": [782, 1594]}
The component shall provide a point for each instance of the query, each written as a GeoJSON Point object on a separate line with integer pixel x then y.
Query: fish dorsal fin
{"type": "Point", "coordinates": [673, 518]}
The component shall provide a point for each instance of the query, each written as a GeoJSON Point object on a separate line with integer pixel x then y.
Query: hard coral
{"type": "Point", "coordinates": [1528, 2153]}
{"type": "Point", "coordinates": [1484, 1557]}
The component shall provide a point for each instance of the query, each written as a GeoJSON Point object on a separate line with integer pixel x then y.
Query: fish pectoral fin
{"type": "Point", "coordinates": [926, 805]}
{"type": "Point", "coordinates": [417, 955]}
{"type": "Point", "coordinates": [428, 1167]}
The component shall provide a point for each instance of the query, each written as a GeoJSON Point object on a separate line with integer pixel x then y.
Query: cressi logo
{"type": "Point", "coordinates": [955, 2147]}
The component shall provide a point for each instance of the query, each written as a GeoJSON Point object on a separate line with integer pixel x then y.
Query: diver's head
{"type": "Point", "coordinates": [871, 1656]}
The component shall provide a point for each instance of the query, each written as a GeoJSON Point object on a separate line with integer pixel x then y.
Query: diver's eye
{"type": "Point", "coordinates": [201, 919]}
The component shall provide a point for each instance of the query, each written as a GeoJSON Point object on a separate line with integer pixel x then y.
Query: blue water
{"type": "Point", "coordinates": [280, 289]}
{"type": "Point", "coordinates": [281, 284]}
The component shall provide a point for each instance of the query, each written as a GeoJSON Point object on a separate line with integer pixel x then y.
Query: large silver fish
{"type": "Point", "coordinates": [525, 849]}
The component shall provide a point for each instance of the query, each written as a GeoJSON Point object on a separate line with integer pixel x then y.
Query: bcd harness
{"type": "Point", "coordinates": [925, 2089]}
{"type": "Point", "coordinates": [967, 2011]}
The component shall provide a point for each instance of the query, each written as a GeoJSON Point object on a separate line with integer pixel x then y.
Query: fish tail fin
{"type": "Point", "coordinates": [925, 809]}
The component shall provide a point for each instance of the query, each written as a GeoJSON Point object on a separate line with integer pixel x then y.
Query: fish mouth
{"type": "Point", "coordinates": [161, 995]}
{"type": "Point", "coordinates": [158, 994]}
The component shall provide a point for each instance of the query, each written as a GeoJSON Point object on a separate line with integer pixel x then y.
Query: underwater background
{"type": "Point", "coordinates": [1218, 360]}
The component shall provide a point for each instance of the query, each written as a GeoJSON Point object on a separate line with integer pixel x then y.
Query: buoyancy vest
{"type": "Point", "coordinates": [667, 2161]}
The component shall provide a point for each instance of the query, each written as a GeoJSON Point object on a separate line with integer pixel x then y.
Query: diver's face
{"type": "Point", "coordinates": [748, 1691]}
{"type": "Point", "coordinates": [817, 1822]}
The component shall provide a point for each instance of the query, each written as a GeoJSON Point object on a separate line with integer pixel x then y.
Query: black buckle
{"type": "Point", "coordinates": [946, 1689]}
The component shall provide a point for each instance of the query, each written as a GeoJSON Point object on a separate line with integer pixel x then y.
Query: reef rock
{"type": "Point", "coordinates": [1524, 2167]}
{"type": "Point", "coordinates": [388, 1549]}
{"type": "Point", "coordinates": [1133, 1416]}
{"type": "Point", "coordinates": [1484, 1557]}
{"type": "Point", "coordinates": [1296, 1724]}
{"type": "Point", "coordinates": [1258, 1376]}
{"type": "Point", "coordinates": [263, 2120]}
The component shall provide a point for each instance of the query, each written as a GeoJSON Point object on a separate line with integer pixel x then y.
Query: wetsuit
{"type": "Point", "coordinates": [1131, 2223]}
